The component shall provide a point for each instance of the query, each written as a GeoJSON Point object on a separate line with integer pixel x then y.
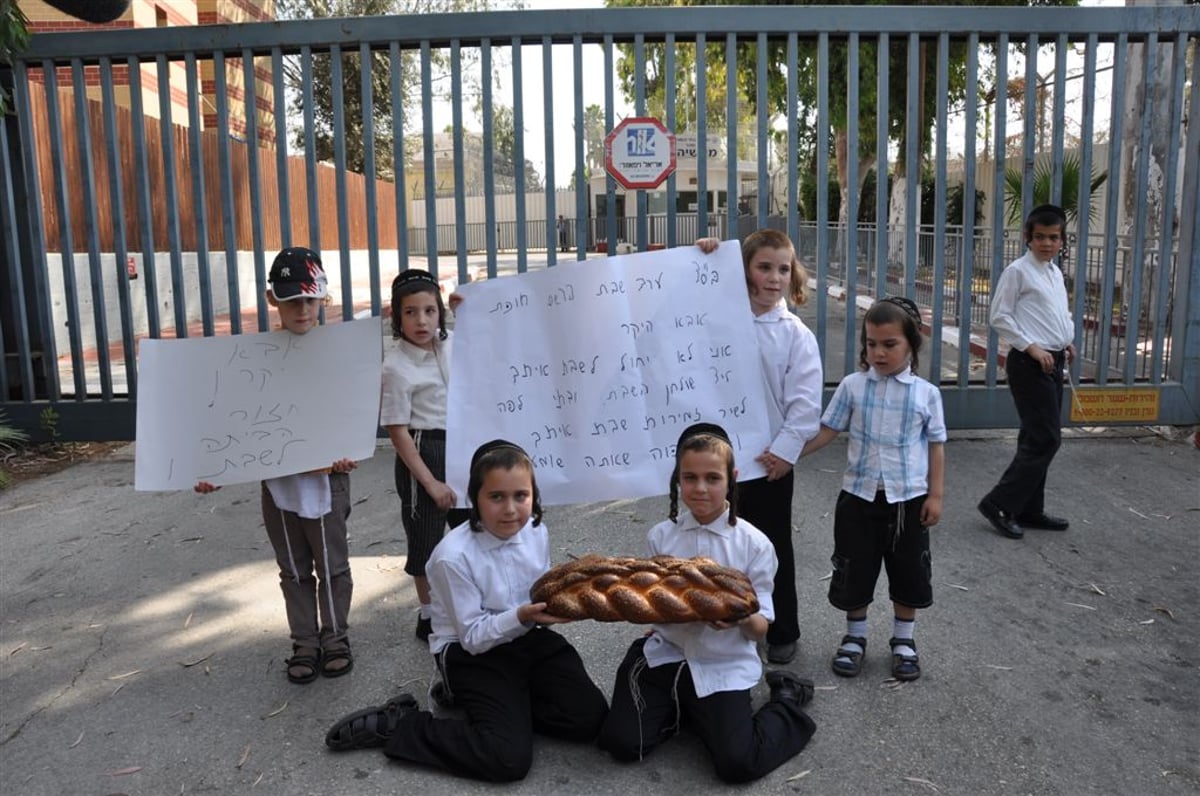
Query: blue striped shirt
{"type": "Point", "coordinates": [891, 420]}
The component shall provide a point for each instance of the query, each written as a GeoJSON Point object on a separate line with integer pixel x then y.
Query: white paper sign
{"type": "Point", "coordinates": [247, 407]}
{"type": "Point", "coordinates": [596, 367]}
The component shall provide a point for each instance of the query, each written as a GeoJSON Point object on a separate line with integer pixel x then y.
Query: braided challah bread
{"type": "Point", "coordinates": [661, 589]}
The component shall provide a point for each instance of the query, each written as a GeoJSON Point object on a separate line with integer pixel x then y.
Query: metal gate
{"type": "Point", "coordinates": [148, 176]}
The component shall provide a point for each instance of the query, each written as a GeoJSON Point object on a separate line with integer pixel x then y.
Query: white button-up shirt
{"type": "Point", "coordinates": [478, 581]}
{"type": "Point", "coordinates": [415, 384]}
{"type": "Point", "coordinates": [791, 366]}
{"type": "Point", "coordinates": [1030, 306]}
{"type": "Point", "coordinates": [719, 660]}
{"type": "Point", "coordinates": [891, 420]}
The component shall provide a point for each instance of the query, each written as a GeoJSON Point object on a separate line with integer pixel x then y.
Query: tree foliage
{"type": "Point", "coordinates": [14, 37]}
{"type": "Point", "coordinates": [504, 138]}
{"type": "Point", "coordinates": [807, 88]}
{"type": "Point", "coordinates": [320, 79]}
{"type": "Point", "coordinates": [1043, 177]}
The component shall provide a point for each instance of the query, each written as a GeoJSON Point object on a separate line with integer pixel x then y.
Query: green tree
{"type": "Point", "coordinates": [776, 89]}
{"type": "Point", "coordinates": [321, 85]}
{"type": "Point", "coordinates": [504, 163]}
{"type": "Point", "coordinates": [1043, 176]}
{"type": "Point", "coordinates": [14, 37]}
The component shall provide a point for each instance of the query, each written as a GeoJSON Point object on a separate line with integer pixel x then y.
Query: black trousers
{"type": "Point", "coordinates": [1038, 398]}
{"type": "Point", "coordinates": [650, 705]}
{"type": "Point", "coordinates": [767, 505]}
{"type": "Point", "coordinates": [536, 683]}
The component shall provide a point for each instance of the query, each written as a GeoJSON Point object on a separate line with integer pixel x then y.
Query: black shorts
{"type": "Point", "coordinates": [424, 523]}
{"type": "Point", "coordinates": [869, 533]}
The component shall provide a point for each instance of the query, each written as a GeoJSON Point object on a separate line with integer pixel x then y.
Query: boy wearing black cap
{"type": "Point", "coordinates": [305, 514]}
{"type": "Point", "coordinates": [1030, 311]}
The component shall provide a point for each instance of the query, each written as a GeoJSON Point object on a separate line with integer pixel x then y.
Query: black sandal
{"type": "Point", "coordinates": [338, 651]}
{"type": "Point", "coordinates": [905, 667]}
{"type": "Point", "coordinates": [848, 663]}
{"type": "Point", "coordinates": [303, 658]}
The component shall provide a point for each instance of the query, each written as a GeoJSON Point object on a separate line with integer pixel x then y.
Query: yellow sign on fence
{"type": "Point", "coordinates": [1116, 405]}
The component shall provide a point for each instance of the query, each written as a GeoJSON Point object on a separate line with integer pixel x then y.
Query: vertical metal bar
{"type": "Point", "coordinates": [228, 207]}
{"type": "Point", "coordinates": [610, 184]}
{"type": "Point", "coordinates": [966, 260]}
{"type": "Point", "coordinates": [1083, 218]}
{"type": "Point", "coordinates": [366, 62]}
{"type": "Point", "coordinates": [1104, 316]}
{"type": "Point", "coordinates": [548, 142]}
{"type": "Point", "coordinates": [701, 136]}
{"type": "Point", "coordinates": [460, 192]}
{"type": "Point", "coordinates": [639, 98]}
{"type": "Point", "coordinates": [199, 195]}
{"type": "Point", "coordinates": [998, 152]}
{"type": "Point", "coordinates": [85, 180]}
{"type": "Point", "coordinates": [1184, 364]}
{"type": "Point", "coordinates": [34, 219]}
{"type": "Point", "coordinates": [822, 265]}
{"type": "Point", "coordinates": [731, 133]}
{"type": "Point", "coordinates": [120, 245]}
{"type": "Point", "coordinates": [396, 64]}
{"type": "Point", "coordinates": [582, 190]}
{"type": "Point", "coordinates": [849, 250]}
{"type": "Point", "coordinates": [171, 195]}
{"type": "Point", "coordinates": [883, 60]}
{"type": "Point", "coordinates": [1166, 264]}
{"type": "Point", "coordinates": [489, 143]}
{"type": "Point", "coordinates": [281, 150]}
{"type": "Point", "coordinates": [254, 177]}
{"type": "Point", "coordinates": [912, 194]}
{"type": "Point", "coordinates": [764, 123]}
{"type": "Point", "coordinates": [792, 164]}
{"type": "Point", "coordinates": [141, 170]}
{"type": "Point", "coordinates": [669, 94]}
{"type": "Point", "coordinates": [312, 189]}
{"type": "Point", "coordinates": [1030, 143]}
{"type": "Point", "coordinates": [1133, 320]}
{"type": "Point", "coordinates": [519, 155]}
{"type": "Point", "coordinates": [430, 157]}
{"type": "Point", "coordinates": [939, 209]}
{"type": "Point", "coordinates": [339, 180]}
{"type": "Point", "coordinates": [1058, 132]}
{"type": "Point", "coordinates": [15, 301]}
{"type": "Point", "coordinates": [66, 237]}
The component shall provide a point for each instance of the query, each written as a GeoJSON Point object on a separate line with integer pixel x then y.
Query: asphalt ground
{"type": "Point", "coordinates": [143, 636]}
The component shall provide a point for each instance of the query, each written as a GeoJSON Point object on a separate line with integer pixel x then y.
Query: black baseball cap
{"type": "Point", "coordinates": [297, 273]}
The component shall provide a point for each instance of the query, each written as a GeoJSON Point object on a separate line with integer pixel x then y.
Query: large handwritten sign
{"type": "Point", "coordinates": [596, 367]}
{"type": "Point", "coordinates": [247, 407]}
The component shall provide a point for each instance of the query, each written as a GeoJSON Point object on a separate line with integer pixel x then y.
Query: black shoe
{"type": "Point", "coordinates": [424, 627]}
{"type": "Point", "coordinates": [369, 727]}
{"type": "Point", "coordinates": [1000, 519]}
{"type": "Point", "coordinates": [1045, 522]}
{"type": "Point", "coordinates": [781, 653]}
{"type": "Point", "coordinates": [788, 687]}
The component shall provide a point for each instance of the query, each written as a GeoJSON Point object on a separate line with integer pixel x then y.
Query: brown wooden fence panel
{"type": "Point", "coordinates": [241, 209]}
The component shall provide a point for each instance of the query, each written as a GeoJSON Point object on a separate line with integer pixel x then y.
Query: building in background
{"type": "Point", "coordinates": [143, 14]}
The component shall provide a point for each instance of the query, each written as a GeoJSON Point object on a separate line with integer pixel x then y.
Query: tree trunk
{"type": "Point", "coordinates": [898, 199]}
{"type": "Point", "coordinates": [1140, 209]}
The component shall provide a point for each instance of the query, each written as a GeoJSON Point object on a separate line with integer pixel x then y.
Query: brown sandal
{"type": "Point", "coordinates": [335, 653]}
{"type": "Point", "coordinates": [303, 666]}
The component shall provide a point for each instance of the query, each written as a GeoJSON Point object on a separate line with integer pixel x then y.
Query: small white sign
{"type": "Point", "coordinates": [241, 408]}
